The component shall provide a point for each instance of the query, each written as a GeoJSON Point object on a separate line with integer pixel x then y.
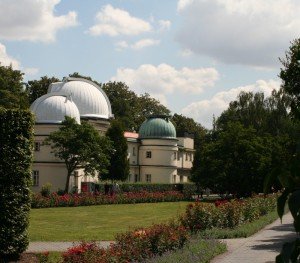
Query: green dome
{"type": "Point", "coordinates": [159, 127]}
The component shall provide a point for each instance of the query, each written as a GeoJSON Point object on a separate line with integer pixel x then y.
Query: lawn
{"type": "Point", "coordinates": [97, 222]}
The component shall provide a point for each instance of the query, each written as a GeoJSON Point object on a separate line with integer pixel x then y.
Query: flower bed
{"type": "Point", "coordinates": [55, 200]}
{"type": "Point", "coordinates": [226, 214]}
{"type": "Point", "coordinates": [133, 246]}
{"type": "Point", "coordinates": [145, 243]}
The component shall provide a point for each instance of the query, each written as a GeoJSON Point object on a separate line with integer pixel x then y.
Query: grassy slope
{"type": "Point", "coordinates": [97, 222]}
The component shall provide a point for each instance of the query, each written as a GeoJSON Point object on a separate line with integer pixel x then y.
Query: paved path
{"type": "Point", "coordinates": [262, 247]}
{"type": "Point", "coordinates": [57, 246]}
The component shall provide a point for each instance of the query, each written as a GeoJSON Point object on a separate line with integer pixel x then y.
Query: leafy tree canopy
{"type": "Point", "coordinates": [119, 163]}
{"type": "Point", "coordinates": [184, 125]}
{"type": "Point", "coordinates": [80, 145]}
{"type": "Point", "coordinates": [38, 88]}
{"type": "Point", "coordinates": [12, 94]}
{"type": "Point", "coordinates": [290, 75]}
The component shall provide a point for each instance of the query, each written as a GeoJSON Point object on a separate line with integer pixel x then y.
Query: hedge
{"type": "Point", "coordinates": [185, 188]}
{"type": "Point", "coordinates": [16, 133]}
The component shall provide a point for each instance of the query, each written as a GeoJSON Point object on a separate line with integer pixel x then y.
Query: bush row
{"type": "Point", "coordinates": [133, 246]}
{"type": "Point", "coordinates": [16, 135]}
{"type": "Point", "coordinates": [142, 244]}
{"type": "Point", "coordinates": [84, 199]}
{"type": "Point", "coordinates": [226, 214]}
{"type": "Point", "coordinates": [146, 187]}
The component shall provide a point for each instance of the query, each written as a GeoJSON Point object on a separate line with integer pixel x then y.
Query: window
{"type": "Point", "coordinates": [136, 178]}
{"type": "Point", "coordinates": [175, 155]}
{"type": "Point", "coordinates": [148, 154]}
{"type": "Point", "coordinates": [148, 178]}
{"type": "Point", "coordinates": [133, 151]}
{"type": "Point", "coordinates": [37, 146]}
{"type": "Point", "coordinates": [35, 178]}
{"type": "Point", "coordinates": [178, 156]}
{"type": "Point", "coordinates": [186, 156]}
{"type": "Point", "coordinates": [174, 178]}
{"type": "Point", "coordinates": [181, 179]}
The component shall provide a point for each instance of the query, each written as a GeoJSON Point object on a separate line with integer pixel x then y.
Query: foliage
{"type": "Point", "coordinates": [119, 163]}
{"type": "Point", "coordinates": [133, 246]}
{"type": "Point", "coordinates": [185, 125]}
{"type": "Point", "coordinates": [195, 250]}
{"type": "Point", "coordinates": [236, 161]}
{"type": "Point", "coordinates": [46, 190]}
{"type": "Point", "coordinates": [244, 230]}
{"type": "Point", "coordinates": [80, 145]}
{"type": "Point", "coordinates": [16, 133]}
{"type": "Point", "coordinates": [290, 76]}
{"type": "Point", "coordinates": [129, 108]}
{"type": "Point", "coordinates": [187, 189]}
{"type": "Point", "coordinates": [12, 94]}
{"type": "Point", "coordinates": [84, 199]}
{"type": "Point", "coordinates": [226, 214]}
{"type": "Point", "coordinates": [38, 88]}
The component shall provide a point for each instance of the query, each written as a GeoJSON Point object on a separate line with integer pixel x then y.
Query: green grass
{"type": "Point", "coordinates": [245, 230]}
{"type": "Point", "coordinates": [195, 250]}
{"type": "Point", "coordinates": [97, 222]}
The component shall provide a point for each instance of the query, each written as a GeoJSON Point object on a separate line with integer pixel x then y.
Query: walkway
{"type": "Point", "coordinates": [57, 246]}
{"type": "Point", "coordinates": [262, 247]}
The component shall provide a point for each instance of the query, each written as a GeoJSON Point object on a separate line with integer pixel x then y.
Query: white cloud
{"type": "Point", "coordinates": [165, 79]}
{"type": "Point", "coordinates": [32, 20]}
{"type": "Point", "coordinates": [7, 60]}
{"type": "Point", "coordinates": [250, 32]}
{"type": "Point", "coordinates": [31, 71]}
{"type": "Point", "coordinates": [203, 111]}
{"type": "Point", "coordinates": [182, 4]}
{"type": "Point", "coordinates": [113, 22]}
{"type": "Point", "coordinates": [138, 45]}
{"type": "Point", "coordinates": [164, 25]}
{"type": "Point", "coordinates": [147, 42]}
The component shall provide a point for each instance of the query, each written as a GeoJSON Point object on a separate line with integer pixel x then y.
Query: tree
{"type": "Point", "coordinates": [235, 162]}
{"type": "Point", "coordinates": [124, 103]}
{"type": "Point", "coordinates": [290, 76]}
{"type": "Point", "coordinates": [184, 125]}
{"type": "Point", "coordinates": [288, 171]}
{"type": "Point", "coordinates": [16, 133]}
{"type": "Point", "coordinates": [12, 94]}
{"type": "Point", "coordinates": [129, 108]}
{"type": "Point", "coordinates": [38, 88]}
{"type": "Point", "coordinates": [119, 163]}
{"type": "Point", "coordinates": [80, 146]}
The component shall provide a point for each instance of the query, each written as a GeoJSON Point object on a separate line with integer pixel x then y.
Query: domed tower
{"type": "Point", "coordinates": [74, 97]}
{"type": "Point", "coordinates": [92, 102]}
{"type": "Point", "coordinates": [158, 150]}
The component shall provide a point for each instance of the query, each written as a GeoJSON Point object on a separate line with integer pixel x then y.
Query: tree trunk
{"type": "Point", "coordinates": [67, 182]}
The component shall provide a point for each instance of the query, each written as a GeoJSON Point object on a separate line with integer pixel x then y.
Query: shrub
{"type": "Point", "coordinates": [46, 190]}
{"type": "Point", "coordinates": [16, 133]}
{"type": "Point", "coordinates": [133, 246]}
{"type": "Point", "coordinates": [55, 200]}
{"type": "Point", "coordinates": [226, 214]}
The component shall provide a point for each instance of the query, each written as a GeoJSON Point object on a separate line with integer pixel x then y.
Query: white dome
{"type": "Point", "coordinates": [90, 99]}
{"type": "Point", "coordinates": [53, 107]}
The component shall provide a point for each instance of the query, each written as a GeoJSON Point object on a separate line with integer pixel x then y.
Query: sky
{"type": "Point", "coordinates": [195, 56]}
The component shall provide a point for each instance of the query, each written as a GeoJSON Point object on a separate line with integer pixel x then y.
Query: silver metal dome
{"type": "Point", "coordinates": [90, 99]}
{"type": "Point", "coordinates": [53, 107]}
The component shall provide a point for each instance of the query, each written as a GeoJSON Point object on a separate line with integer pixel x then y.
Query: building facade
{"type": "Point", "coordinates": [155, 154]}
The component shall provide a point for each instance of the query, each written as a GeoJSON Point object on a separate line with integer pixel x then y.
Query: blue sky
{"type": "Point", "coordinates": [195, 56]}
